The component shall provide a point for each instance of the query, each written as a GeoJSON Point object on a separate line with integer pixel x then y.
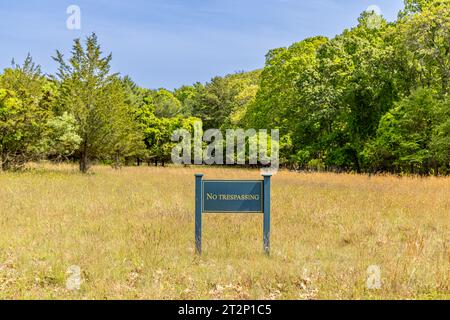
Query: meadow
{"type": "Point", "coordinates": [131, 232]}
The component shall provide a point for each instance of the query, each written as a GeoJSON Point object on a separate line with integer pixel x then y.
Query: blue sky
{"type": "Point", "coordinates": [168, 43]}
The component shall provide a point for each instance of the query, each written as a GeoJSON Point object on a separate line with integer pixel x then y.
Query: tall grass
{"type": "Point", "coordinates": [131, 232]}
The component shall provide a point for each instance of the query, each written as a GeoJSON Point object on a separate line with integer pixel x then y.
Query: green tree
{"type": "Point", "coordinates": [166, 104]}
{"type": "Point", "coordinates": [222, 102]}
{"type": "Point", "coordinates": [187, 95]}
{"type": "Point", "coordinates": [97, 100]}
{"type": "Point", "coordinates": [440, 140]}
{"type": "Point", "coordinates": [61, 139]}
{"type": "Point", "coordinates": [404, 136]}
{"type": "Point", "coordinates": [25, 106]}
{"type": "Point", "coordinates": [158, 133]}
{"type": "Point", "coordinates": [416, 6]}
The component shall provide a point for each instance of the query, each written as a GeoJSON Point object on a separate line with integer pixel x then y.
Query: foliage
{"type": "Point", "coordinates": [222, 102]}
{"type": "Point", "coordinates": [61, 139]}
{"type": "Point", "coordinates": [373, 98]}
{"type": "Point", "coordinates": [23, 112]}
{"type": "Point", "coordinates": [405, 133]}
{"type": "Point", "coordinates": [97, 100]}
{"type": "Point", "coordinates": [166, 105]}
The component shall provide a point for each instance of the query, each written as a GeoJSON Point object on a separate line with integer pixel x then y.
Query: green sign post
{"type": "Point", "coordinates": [232, 196]}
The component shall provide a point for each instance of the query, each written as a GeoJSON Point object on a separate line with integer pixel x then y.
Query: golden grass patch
{"type": "Point", "coordinates": [131, 232]}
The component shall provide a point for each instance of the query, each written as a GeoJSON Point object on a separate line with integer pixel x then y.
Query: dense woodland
{"type": "Point", "coordinates": [375, 98]}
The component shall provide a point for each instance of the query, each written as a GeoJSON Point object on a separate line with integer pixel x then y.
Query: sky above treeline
{"type": "Point", "coordinates": [169, 43]}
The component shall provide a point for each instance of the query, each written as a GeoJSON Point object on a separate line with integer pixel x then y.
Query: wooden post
{"type": "Point", "coordinates": [266, 227]}
{"type": "Point", "coordinates": [198, 213]}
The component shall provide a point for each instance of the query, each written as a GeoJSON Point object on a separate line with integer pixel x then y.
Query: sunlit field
{"type": "Point", "coordinates": [131, 232]}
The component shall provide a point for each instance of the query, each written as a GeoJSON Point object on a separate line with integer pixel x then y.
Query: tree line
{"type": "Point", "coordinates": [375, 98]}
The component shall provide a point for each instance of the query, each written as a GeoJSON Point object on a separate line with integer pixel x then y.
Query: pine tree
{"type": "Point", "coordinates": [96, 98]}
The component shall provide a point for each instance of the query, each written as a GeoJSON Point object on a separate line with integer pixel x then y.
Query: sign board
{"type": "Point", "coordinates": [232, 196]}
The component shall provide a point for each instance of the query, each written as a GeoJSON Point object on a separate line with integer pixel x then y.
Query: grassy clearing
{"type": "Point", "coordinates": [131, 232]}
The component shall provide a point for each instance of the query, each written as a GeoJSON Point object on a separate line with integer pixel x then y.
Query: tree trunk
{"type": "Point", "coordinates": [84, 166]}
{"type": "Point", "coordinates": [4, 161]}
{"type": "Point", "coordinates": [356, 159]}
{"type": "Point", "coordinates": [117, 161]}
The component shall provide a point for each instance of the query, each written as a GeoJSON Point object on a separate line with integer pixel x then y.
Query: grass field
{"type": "Point", "coordinates": [131, 232]}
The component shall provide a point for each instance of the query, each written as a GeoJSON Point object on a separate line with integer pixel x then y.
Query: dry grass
{"type": "Point", "coordinates": [131, 232]}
